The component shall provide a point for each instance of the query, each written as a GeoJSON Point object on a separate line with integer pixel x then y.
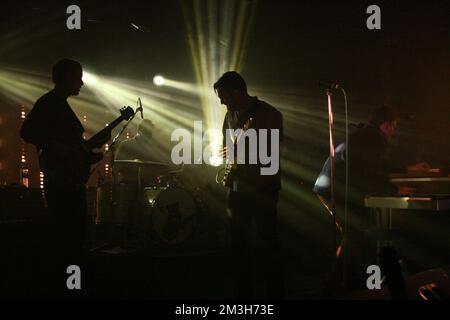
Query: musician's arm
{"type": "Point", "coordinates": [273, 121]}
{"type": "Point", "coordinates": [222, 150]}
{"type": "Point", "coordinates": [36, 128]}
{"type": "Point", "coordinates": [367, 164]}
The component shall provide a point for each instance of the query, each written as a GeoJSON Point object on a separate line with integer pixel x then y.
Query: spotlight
{"type": "Point", "coordinates": [159, 80]}
{"type": "Point", "coordinates": [215, 160]}
{"type": "Point", "coordinates": [89, 78]}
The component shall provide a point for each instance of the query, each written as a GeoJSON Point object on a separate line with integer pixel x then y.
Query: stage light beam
{"type": "Point", "coordinates": [215, 161]}
{"type": "Point", "coordinates": [89, 78]}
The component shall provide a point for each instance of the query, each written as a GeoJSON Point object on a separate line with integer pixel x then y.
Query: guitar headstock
{"type": "Point", "coordinates": [126, 112]}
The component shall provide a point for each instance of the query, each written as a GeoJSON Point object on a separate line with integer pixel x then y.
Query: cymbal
{"type": "Point", "coordinates": [140, 162]}
{"type": "Point", "coordinates": [177, 171]}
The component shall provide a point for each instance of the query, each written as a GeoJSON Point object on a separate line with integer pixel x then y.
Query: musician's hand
{"type": "Point", "coordinates": [419, 167]}
{"type": "Point", "coordinates": [223, 152]}
{"type": "Point", "coordinates": [406, 190]}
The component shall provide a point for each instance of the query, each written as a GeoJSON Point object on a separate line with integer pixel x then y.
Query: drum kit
{"type": "Point", "coordinates": [148, 199]}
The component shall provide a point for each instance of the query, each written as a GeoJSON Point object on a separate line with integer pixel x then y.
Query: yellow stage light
{"type": "Point", "coordinates": [89, 78]}
{"type": "Point", "coordinates": [159, 80]}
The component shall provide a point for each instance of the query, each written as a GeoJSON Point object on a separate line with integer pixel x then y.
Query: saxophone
{"type": "Point", "coordinates": [231, 167]}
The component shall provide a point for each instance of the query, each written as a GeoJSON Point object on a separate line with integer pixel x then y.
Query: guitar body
{"type": "Point", "coordinates": [67, 164]}
{"type": "Point", "coordinates": [72, 164]}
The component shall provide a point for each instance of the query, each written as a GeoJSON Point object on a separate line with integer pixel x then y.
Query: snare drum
{"type": "Point", "coordinates": [172, 213]}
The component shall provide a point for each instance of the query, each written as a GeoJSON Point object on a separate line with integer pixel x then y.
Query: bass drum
{"type": "Point", "coordinates": [171, 212]}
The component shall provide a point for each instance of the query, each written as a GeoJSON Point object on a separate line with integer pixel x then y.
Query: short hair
{"type": "Point", "coordinates": [231, 80]}
{"type": "Point", "coordinates": [382, 114]}
{"type": "Point", "coordinates": [64, 67]}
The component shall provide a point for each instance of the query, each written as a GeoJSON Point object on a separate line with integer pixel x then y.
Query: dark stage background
{"type": "Point", "coordinates": [288, 47]}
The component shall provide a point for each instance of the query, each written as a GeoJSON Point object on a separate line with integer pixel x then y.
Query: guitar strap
{"type": "Point", "coordinates": [253, 108]}
{"type": "Point", "coordinates": [241, 122]}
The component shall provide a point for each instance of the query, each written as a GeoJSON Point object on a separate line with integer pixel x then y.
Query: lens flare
{"type": "Point", "coordinates": [159, 80]}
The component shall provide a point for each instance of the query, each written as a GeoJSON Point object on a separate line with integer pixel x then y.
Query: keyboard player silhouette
{"type": "Point", "coordinates": [368, 173]}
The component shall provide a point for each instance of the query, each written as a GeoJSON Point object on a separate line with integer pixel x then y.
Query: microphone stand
{"type": "Point", "coordinates": [332, 203]}
{"type": "Point", "coordinates": [112, 163]}
{"type": "Point", "coordinates": [341, 248]}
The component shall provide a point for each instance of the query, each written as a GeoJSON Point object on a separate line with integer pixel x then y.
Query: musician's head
{"type": "Point", "coordinates": [145, 129]}
{"type": "Point", "coordinates": [67, 76]}
{"type": "Point", "coordinates": [231, 90]}
{"type": "Point", "coordinates": [385, 119]}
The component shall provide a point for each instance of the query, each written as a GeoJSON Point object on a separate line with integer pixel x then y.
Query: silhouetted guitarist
{"type": "Point", "coordinates": [54, 129]}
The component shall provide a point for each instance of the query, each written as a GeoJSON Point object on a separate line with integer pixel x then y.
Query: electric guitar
{"type": "Point", "coordinates": [231, 168]}
{"type": "Point", "coordinates": [72, 164]}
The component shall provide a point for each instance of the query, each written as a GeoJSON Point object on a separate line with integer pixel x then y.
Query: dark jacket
{"type": "Point", "coordinates": [264, 116]}
{"type": "Point", "coordinates": [367, 167]}
{"type": "Point", "coordinates": [52, 123]}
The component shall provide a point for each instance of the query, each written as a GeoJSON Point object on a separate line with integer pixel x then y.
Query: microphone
{"type": "Point", "coordinates": [329, 84]}
{"type": "Point", "coordinates": [140, 108]}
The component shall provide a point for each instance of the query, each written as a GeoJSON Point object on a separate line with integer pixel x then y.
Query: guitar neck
{"type": "Point", "coordinates": [110, 126]}
{"type": "Point", "coordinates": [105, 131]}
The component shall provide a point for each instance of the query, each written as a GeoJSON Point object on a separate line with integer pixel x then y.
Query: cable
{"type": "Point", "coordinates": [346, 159]}
{"type": "Point", "coordinates": [346, 186]}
